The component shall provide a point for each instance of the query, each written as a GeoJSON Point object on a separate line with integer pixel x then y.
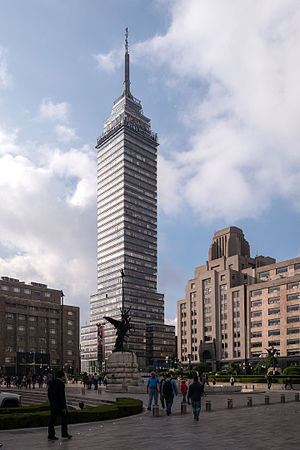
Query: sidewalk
{"type": "Point", "coordinates": [265, 427]}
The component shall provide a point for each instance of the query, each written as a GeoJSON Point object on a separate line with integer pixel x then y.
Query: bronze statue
{"type": "Point", "coordinates": [123, 327]}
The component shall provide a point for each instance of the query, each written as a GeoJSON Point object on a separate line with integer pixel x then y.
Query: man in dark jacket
{"type": "Point", "coordinates": [58, 406]}
{"type": "Point", "coordinates": [196, 390]}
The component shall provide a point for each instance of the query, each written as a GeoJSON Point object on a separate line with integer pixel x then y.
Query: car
{"type": "Point", "coordinates": [9, 400]}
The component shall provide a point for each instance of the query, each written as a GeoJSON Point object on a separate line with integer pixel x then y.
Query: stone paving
{"type": "Point", "coordinates": [274, 426]}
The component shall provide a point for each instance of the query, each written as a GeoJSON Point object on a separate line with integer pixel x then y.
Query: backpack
{"type": "Point", "coordinates": [168, 388]}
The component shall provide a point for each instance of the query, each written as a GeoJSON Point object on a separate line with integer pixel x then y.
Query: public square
{"type": "Point", "coordinates": [274, 426]}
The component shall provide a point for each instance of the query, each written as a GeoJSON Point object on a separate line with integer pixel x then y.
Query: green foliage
{"type": "Point", "coordinates": [260, 368]}
{"type": "Point", "coordinates": [121, 408]}
{"type": "Point", "coordinates": [292, 370]}
{"type": "Point", "coordinates": [25, 409]}
{"type": "Point", "coordinates": [203, 367]}
{"type": "Point", "coordinates": [234, 369]}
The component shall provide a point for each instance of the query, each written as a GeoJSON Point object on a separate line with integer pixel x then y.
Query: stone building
{"type": "Point", "coordinates": [37, 330]}
{"type": "Point", "coordinates": [127, 228]}
{"type": "Point", "coordinates": [237, 306]}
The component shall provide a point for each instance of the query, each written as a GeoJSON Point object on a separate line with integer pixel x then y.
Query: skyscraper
{"type": "Point", "coordinates": [127, 227]}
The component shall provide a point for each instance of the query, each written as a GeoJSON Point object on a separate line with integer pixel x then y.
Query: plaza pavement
{"type": "Point", "coordinates": [274, 426]}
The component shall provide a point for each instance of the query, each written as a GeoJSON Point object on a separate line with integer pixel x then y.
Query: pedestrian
{"type": "Point", "coordinates": [90, 379]}
{"type": "Point", "coordinates": [95, 380]}
{"type": "Point", "coordinates": [214, 381]}
{"type": "Point", "coordinates": [184, 390]}
{"type": "Point", "coordinates": [232, 381]}
{"type": "Point", "coordinates": [152, 389]}
{"type": "Point", "coordinates": [269, 381]}
{"type": "Point", "coordinates": [196, 391]}
{"type": "Point", "coordinates": [288, 382]}
{"type": "Point", "coordinates": [169, 389]}
{"type": "Point", "coordinates": [58, 406]}
{"type": "Point", "coordinates": [162, 398]}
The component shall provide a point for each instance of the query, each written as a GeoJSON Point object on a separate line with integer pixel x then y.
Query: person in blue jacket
{"type": "Point", "coordinates": [152, 389]}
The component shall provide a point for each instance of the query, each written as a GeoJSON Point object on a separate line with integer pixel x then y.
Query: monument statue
{"type": "Point", "coordinates": [123, 327]}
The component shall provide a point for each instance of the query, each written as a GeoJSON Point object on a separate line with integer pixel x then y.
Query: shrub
{"type": "Point", "coordinates": [25, 409]}
{"type": "Point", "coordinates": [40, 418]}
{"type": "Point", "coordinates": [292, 370]}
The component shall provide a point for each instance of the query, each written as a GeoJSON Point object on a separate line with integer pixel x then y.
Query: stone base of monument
{"type": "Point", "coordinates": [122, 373]}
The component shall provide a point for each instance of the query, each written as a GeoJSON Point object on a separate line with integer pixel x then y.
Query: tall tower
{"type": "Point", "coordinates": [127, 221]}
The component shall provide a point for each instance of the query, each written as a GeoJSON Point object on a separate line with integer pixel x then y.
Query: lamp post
{"type": "Point", "coordinates": [62, 328]}
{"type": "Point", "coordinates": [122, 281]}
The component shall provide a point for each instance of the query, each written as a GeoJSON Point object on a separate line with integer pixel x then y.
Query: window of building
{"type": "Point", "coordinates": [264, 274]}
{"type": "Point", "coordinates": [223, 326]}
{"type": "Point", "coordinates": [272, 322]}
{"type": "Point", "coordinates": [273, 332]}
{"type": "Point", "coordinates": [255, 293]}
{"type": "Point", "coordinates": [206, 291]}
{"type": "Point", "coordinates": [71, 322]}
{"type": "Point", "coordinates": [53, 341]}
{"type": "Point", "coordinates": [21, 328]}
{"type": "Point", "coordinates": [223, 297]}
{"type": "Point", "coordinates": [32, 319]}
{"type": "Point", "coordinates": [256, 314]}
{"type": "Point", "coordinates": [236, 324]}
{"type": "Point", "coordinates": [43, 340]}
{"type": "Point", "coordinates": [70, 332]}
{"type": "Point", "coordinates": [236, 314]}
{"type": "Point", "coordinates": [223, 306]}
{"type": "Point", "coordinates": [21, 317]}
{"type": "Point", "coordinates": [209, 328]}
{"type": "Point", "coordinates": [256, 334]}
{"type": "Point", "coordinates": [256, 324]}
{"type": "Point", "coordinates": [236, 304]}
{"type": "Point", "coordinates": [291, 308]}
{"type": "Point", "coordinates": [207, 309]}
{"type": "Point", "coordinates": [9, 349]}
{"type": "Point", "coordinates": [293, 319]}
{"type": "Point", "coordinates": [274, 289]}
{"type": "Point", "coordinates": [71, 313]}
{"type": "Point", "coordinates": [273, 311]}
{"type": "Point", "coordinates": [293, 341]}
{"type": "Point", "coordinates": [224, 316]}
{"type": "Point", "coordinates": [207, 319]}
{"type": "Point", "coordinates": [192, 285]}
{"type": "Point", "coordinates": [237, 334]}
{"type": "Point", "coordinates": [293, 352]}
{"type": "Point", "coordinates": [207, 338]}
{"type": "Point", "coordinates": [293, 285]}
{"type": "Point", "coordinates": [37, 293]}
{"type": "Point", "coordinates": [16, 289]}
{"type": "Point", "coordinates": [256, 303]}
{"type": "Point", "coordinates": [4, 287]}
{"type": "Point", "coordinates": [223, 287]}
{"type": "Point", "coordinates": [222, 277]}
{"type": "Point", "coordinates": [255, 354]}
{"type": "Point", "coordinates": [27, 291]}
{"type": "Point", "coordinates": [297, 266]}
{"type": "Point", "coordinates": [293, 330]}
{"type": "Point", "coordinates": [273, 343]}
{"type": "Point", "coordinates": [9, 315]}
{"type": "Point", "coordinates": [281, 270]}
{"type": "Point", "coordinates": [256, 344]}
{"type": "Point", "coordinates": [293, 296]}
{"type": "Point", "coordinates": [43, 350]}
{"type": "Point", "coordinates": [8, 359]}
{"type": "Point", "coordinates": [206, 301]}
{"type": "Point", "coordinates": [48, 294]}
{"type": "Point", "coordinates": [235, 294]}
{"type": "Point", "coordinates": [273, 300]}
{"type": "Point", "coordinates": [52, 331]}
{"type": "Point", "coordinates": [206, 281]}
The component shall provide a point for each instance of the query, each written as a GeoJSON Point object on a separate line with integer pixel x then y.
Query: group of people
{"type": "Point", "coordinates": [24, 381]}
{"type": "Point", "coordinates": [166, 389]}
{"type": "Point", "coordinates": [89, 380]}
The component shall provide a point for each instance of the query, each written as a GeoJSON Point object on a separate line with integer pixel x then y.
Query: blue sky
{"type": "Point", "coordinates": [220, 82]}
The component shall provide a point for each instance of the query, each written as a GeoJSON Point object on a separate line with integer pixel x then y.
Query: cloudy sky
{"type": "Point", "coordinates": [220, 82]}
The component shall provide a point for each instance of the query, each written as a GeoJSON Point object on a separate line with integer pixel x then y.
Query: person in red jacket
{"type": "Point", "coordinates": [184, 390]}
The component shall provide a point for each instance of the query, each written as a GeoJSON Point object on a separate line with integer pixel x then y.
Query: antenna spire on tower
{"type": "Point", "coordinates": [126, 80]}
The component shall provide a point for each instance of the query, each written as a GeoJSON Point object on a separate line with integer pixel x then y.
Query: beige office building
{"type": "Point", "coordinates": [237, 306]}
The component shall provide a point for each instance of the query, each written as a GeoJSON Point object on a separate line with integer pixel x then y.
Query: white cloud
{"type": "Point", "coordinates": [5, 78]}
{"type": "Point", "coordinates": [48, 223]}
{"type": "Point", "coordinates": [243, 120]}
{"type": "Point", "coordinates": [65, 134]}
{"type": "Point", "coordinates": [57, 112]}
{"type": "Point", "coordinates": [109, 61]}
{"type": "Point", "coordinates": [172, 322]}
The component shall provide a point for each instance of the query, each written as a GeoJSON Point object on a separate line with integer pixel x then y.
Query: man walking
{"type": "Point", "coordinates": [152, 389]}
{"type": "Point", "coordinates": [169, 388]}
{"type": "Point", "coordinates": [196, 390]}
{"type": "Point", "coordinates": [58, 406]}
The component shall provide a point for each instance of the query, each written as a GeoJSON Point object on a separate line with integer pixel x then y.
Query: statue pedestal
{"type": "Point", "coordinates": [122, 373]}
